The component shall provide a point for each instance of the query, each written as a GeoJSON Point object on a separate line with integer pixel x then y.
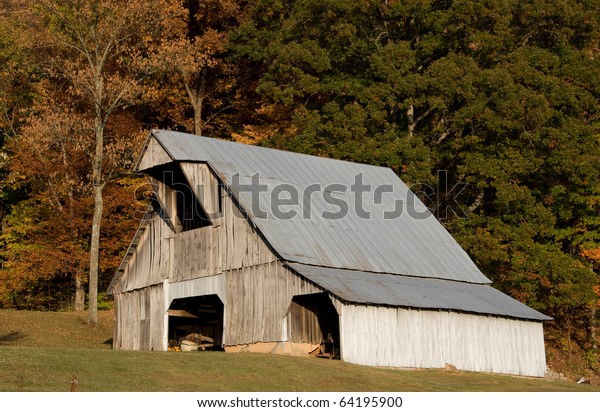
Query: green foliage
{"type": "Point", "coordinates": [502, 95]}
{"type": "Point", "coordinates": [104, 301]}
{"type": "Point", "coordinates": [591, 357]}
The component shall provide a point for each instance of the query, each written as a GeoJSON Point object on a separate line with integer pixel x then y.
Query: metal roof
{"type": "Point", "coordinates": [412, 292]}
{"type": "Point", "coordinates": [412, 243]}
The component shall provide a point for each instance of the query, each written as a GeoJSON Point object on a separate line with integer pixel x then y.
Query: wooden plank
{"type": "Point", "coordinates": [259, 297]}
{"type": "Point", "coordinates": [148, 265]}
{"type": "Point", "coordinates": [181, 313]}
{"type": "Point", "coordinates": [204, 185]}
{"type": "Point", "coordinates": [154, 155]}
{"type": "Point", "coordinates": [431, 339]}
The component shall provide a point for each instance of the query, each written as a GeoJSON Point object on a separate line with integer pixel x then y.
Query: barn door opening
{"type": "Point", "coordinates": [312, 318]}
{"type": "Point", "coordinates": [198, 319]}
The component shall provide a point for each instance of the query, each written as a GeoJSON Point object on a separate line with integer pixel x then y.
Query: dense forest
{"type": "Point", "coordinates": [489, 109]}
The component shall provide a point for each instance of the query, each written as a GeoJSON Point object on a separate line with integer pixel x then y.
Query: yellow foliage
{"type": "Point", "coordinates": [592, 254]}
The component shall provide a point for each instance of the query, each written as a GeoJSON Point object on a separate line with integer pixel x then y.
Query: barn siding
{"type": "Point", "coordinates": [196, 254]}
{"type": "Point", "coordinates": [258, 300]}
{"type": "Point", "coordinates": [153, 156]}
{"type": "Point", "coordinates": [302, 324]}
{"type": "Point", "coordinates": [139, 319]}
{"type": "Point", "coordinates": [167, 199]}
{"type": "Point", "coordinates": [212, 285]}
{"type": "Point", "coordinates": [200, 262]}
{"type": "Point", "coordinates": [230, 243]}
{"type": "Point", "coordinates": [205, 187]}
{"type": "Point", "coordinates": [149, 262]}
{"type": "Point", "coordinates": [241, 244]}
{"type": "Point", "coordinates": [381, 336]}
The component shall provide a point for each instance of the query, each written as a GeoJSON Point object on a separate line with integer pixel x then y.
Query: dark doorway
{"type": "Point", "coordinates": [313, 319]}
{"type": "Point", "coordinates": [188, 213]}
{"type": "Point", "coordinates": [197, 315]}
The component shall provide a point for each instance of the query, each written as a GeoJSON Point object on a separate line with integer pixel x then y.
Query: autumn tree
{"type": "Point", "coordinates": [185, 62]}
{"type": "Point", "coordinates": [18, 74]}
{"type": "Point", "coordinates": [44, 232]}
{"type": "Point", "coordinates": [90, 43]}
{"type": "Point", "coordinates": [46, 238]}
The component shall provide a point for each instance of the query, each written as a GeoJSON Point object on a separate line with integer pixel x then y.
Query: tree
{"type": "Point", "coordinates": [46, 238]}
{"type": "Point", "coordinates": [50, 155]}
{"type": "Point", "coordinates": [90, 41]}
{"type": "Point", "coordinates": [185, 61]}
{"type": "Point", "coordinates": [18, 74]}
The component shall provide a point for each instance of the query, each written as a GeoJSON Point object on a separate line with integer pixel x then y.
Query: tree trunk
{"type": "Point", "coordinates": [569, 340]}
{"type": "Point", "coordinates": [410, 115]}
{"type": "Point", "coordinates": [98, 206]}
{"type": "Point", "coordinates": [413, 121]}
{"type": "Point", "coordinates": [196, 96]}
{"type": "Point", "coordinates": [95, 256]}
{"type": "Point", "coordinates": [79, 305]}
{"type": "Point", "coordinates": [198, 117]}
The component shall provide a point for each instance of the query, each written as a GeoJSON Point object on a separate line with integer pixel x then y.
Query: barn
{"type": "Point", "coordinates": [270, 251]}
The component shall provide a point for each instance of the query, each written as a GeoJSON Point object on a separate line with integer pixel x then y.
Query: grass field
{"type": "Point", "coordinates": [39, 351]}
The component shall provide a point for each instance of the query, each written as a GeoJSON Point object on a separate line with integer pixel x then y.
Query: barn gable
{"type": "Point", "coordinates": [196, 222]}
{"type": "Point", "coordinates": [152, 155]}
{"type": "Point", "coordinates": [216, 250]}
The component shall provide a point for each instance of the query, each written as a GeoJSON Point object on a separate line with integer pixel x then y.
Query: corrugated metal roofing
{"type": "Point", "coordinates": [405, 245]}
{"type": "Point", "coordinates": [393, 290]}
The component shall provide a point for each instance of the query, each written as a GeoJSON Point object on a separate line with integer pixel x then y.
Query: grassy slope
{"type": "Point", "coordinates": [40, 351]}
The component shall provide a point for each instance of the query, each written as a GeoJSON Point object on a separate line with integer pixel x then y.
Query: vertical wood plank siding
{"type": "Point", "coordinates": [210, 285]}
{"type": "Point", "coordinates": [167, 198]}
{"type": "Point", "coordinates": [381, 336]}
{"type": "Point", "coordinates": [302, 325]}
{"type": "Point", "coordinates": [139, 319]}
{"type": "Point", "coordinates": [230, 243]}
{"type": "Point", "coordinates": [204, 185]}
{"type": "Point", "coordinates": [149, 264]}
{"type": "Point", "coordinates": [259, 298]}
{"type": "Point", "coordinates": [154, 155]}
{"type": "Point", "coordinates": [200, 262]}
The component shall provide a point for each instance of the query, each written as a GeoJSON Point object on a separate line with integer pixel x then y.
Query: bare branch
{"type": "Point", "coordinates": [477, 202]}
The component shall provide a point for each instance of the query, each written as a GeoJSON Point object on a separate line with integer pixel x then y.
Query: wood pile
{"type": "Point", "coordinates": [191, 342]}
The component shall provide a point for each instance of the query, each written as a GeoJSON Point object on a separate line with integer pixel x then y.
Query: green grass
{"type": "Point", "coordinates": [40, 352]}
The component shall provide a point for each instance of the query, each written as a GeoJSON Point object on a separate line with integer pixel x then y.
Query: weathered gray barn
{"type": "Point", "coordinates": [271, 251]}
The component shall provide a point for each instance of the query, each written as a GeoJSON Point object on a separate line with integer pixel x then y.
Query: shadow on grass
{"type": "Point", "coordinates": [10, 337]}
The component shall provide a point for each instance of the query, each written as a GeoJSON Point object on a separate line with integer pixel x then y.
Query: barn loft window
{"type": "Point", "coordinates": [182, 205]}
{"type": "Point", "coordinates": [189, 211]}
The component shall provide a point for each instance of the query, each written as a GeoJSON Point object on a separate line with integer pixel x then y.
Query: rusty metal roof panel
{"type": "Point", "coordinates": [412, 292]}
{"type": "Point", "coordinates": [400, 236]}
